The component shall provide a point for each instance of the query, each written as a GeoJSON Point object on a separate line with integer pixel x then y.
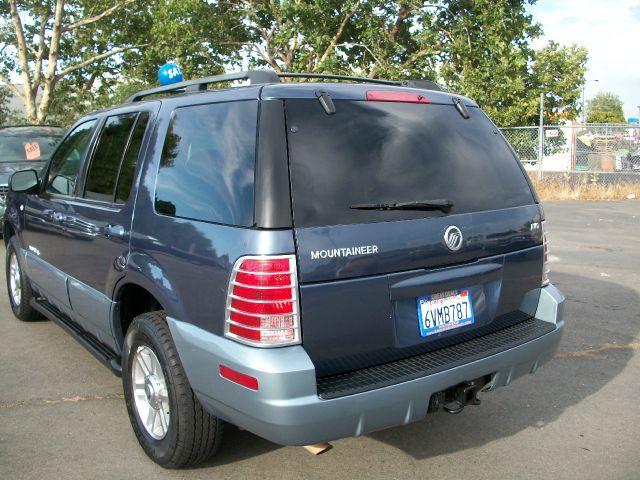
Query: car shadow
{"type": "Point", "coordinates": [532, 401]}
{"type": "Point", "coordinates": [238, 445]}
{"type": "Point", "coordinates": [599, 316]}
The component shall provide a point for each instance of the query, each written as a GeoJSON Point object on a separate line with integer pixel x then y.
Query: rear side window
{"type": "Point", "coordinates": [207, 165]}
{"type": "Point", "coordinates": [385, 152]}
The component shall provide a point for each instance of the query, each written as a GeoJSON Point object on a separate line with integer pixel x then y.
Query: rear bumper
{"type": "Point", "coordinates": [287, 410]}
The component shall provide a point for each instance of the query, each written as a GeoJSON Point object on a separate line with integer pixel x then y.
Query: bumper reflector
{"type": "Point", "coordinates": [239, 378]}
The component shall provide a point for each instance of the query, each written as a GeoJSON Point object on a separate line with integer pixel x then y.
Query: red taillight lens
{"type": "Point", "coordinates": [274, 280]}
{"type": "Point", "coordinates": [277, 294]}
{"type": "Point", "coordinates": [545, 262]}
{"type": "Point", "coordinates": [271, 266]}
{"type": "Point", "coordinates": [266, 308]}
{"type": "Point", "coordinates": [262, 302]}
{"type": "Point", "coordinates": [394, 96]}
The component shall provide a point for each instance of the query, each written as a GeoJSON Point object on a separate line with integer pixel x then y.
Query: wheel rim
{"type": "Point", "coordinates": [15, 280]}
{"type": "Point", "coordinates": [151, 396]}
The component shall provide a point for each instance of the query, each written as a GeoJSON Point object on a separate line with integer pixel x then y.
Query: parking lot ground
{"type": "Point", "coordinates": [62, 413]}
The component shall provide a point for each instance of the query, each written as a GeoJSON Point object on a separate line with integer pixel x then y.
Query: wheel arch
{"type": "Point", "coordinates": [8, 231]}
{"type": "Point", "coordinates": [144, 288]}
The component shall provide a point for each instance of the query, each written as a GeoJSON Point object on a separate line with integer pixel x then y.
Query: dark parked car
{"type": "Point", "coordinates": [307, 261]}
{"type": "Point", "coordinates": [22, 147]}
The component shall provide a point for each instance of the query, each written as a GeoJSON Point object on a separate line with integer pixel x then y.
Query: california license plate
{"type": "Point", "coordinates": [444, 311]}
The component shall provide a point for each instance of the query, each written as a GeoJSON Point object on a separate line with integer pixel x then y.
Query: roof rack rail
{"type": "Point", "coordinates": [269, 76]}
{"type": "Point", "coordinates": [425, 84]}
{"type": "Point", "coordinates": [199, 84]}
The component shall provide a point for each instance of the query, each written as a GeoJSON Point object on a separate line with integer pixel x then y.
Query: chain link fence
{"type": "Point", "coordinates": [606, 154]}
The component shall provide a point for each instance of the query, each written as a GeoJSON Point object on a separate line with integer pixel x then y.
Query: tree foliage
{"type": "Point", "coordinates": [605, 107]}
{"type": "Point", "coordinates": [558, 72]}
{"type": "Point", "coordinates": [480, 48]}
{"type": "Point", "coordinates": [5, 112]}
{"type": "Point", "coordinates": [44, 42]}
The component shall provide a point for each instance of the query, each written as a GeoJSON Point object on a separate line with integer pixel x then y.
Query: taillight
{"type": "Point", "coordinates": [545, 262]}
{"type": "Point", "coordinates": [262, 301]}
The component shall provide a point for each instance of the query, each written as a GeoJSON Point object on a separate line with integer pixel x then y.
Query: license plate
{"type": "Point", "coordinates": [444, 311]}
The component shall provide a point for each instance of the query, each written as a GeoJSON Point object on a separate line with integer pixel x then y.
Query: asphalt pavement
{"type": "Point", "coordinates": [62, 414]}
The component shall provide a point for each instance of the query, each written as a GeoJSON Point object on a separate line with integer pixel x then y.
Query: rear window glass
{"type": "Point", "coordinates": [207, 164]}
{"type": "Point", "coordinates": [25, 146]}
{"type": "Point", "coordinates": [382, 152]}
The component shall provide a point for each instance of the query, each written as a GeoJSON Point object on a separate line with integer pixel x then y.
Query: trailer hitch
{"type": "Point", "coordinates": [458, 397]}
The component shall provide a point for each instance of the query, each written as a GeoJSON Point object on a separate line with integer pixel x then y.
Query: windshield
{"type": "Point", "coordinates": [396, 157]}
{"type": "Point", "coordinates": [25, 147]}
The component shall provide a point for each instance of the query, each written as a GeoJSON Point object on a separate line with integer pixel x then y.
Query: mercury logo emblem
{"type": "Point", "coordinates": [453, 238]}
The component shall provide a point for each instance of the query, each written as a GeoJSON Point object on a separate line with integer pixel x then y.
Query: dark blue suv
{"type": "Point", "coordinates": [307, 261]}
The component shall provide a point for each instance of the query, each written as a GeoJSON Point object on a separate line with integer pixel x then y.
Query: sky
{"type": "Point", "coordinates": [610, 30]}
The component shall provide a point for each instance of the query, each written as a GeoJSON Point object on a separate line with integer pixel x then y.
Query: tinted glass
{"type": "Point", "coordinates": [103, 171]}
{"type": "Point", "coordinates": [25, 146]}
{"type": "Point", "coordinates": [131, 158]}
{"type": "Point", "coordinates": [207, 165]}
{"type": "Point", "coordinates": [65, 165]}
{"type": "Point", "coordinates": [380, 152]}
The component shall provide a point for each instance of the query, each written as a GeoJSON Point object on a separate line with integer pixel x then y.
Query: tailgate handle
{"type": "Point", "coordinates": [406, 288]}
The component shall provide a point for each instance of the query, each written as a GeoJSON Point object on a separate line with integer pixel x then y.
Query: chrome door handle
{"type": "Point", "coordinates": [59, 217]}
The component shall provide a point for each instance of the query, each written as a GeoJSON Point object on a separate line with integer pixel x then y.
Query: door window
{"type": "Point", "coordinates": [65, 164]}
{"type": "Point", "coordinates": [128, 168]}
{"type": "Point", "coordinates": [103, 171]}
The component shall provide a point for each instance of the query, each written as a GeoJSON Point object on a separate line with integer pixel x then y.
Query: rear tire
{"type": "Point", "coordinates": [18, 287]}
{"type": "Point", "coordinates": [171, 425]}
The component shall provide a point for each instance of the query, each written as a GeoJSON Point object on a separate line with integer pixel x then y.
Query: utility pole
{"type": "Point", "coordinates": [541, 137]}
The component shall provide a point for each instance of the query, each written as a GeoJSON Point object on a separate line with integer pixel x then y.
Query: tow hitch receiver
{"type": "Point", "coordinates": [454, 399]}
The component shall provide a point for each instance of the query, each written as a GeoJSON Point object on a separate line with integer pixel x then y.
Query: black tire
{"type": "Point", "coordinates": [192, 435]}
{"type": "Point", "coordinates": [22, 309]}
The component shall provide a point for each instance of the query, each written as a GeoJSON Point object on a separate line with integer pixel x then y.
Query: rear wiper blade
{"type": "Point", "coordinates": [442, 204]}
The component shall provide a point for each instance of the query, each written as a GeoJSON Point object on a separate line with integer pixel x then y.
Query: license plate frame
{"type": "Point", "coordinates": [443, 311]}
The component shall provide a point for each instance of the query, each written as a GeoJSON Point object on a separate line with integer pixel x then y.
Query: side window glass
{"type": "Point", "coordinates": [65, 165]}
{"type": "Point", "coordinates": [128, 168]}
{"type": "Point", "coordinates": [103, 171]}
{"type": "Point", "coordinates": [207, 163]}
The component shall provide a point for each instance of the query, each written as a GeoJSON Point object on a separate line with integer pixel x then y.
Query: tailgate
{"type": "Point", "coordinates": [364, 274]}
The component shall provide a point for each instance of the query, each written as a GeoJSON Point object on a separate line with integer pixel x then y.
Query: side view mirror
{"type": "Point", "coordinates": [24, 181]}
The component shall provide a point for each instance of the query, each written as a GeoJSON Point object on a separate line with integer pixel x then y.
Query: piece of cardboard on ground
{"type": "Point", "coordinates": [318, 448]}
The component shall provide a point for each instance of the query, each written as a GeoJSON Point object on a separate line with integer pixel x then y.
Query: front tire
{"type": "Point", "coordinates": [171, 425]}
{"type": "Point", "coordinates": [18, 287]}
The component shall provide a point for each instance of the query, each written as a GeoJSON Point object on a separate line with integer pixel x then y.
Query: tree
{"type": "Point", "coordinates": [479, 48]}
{"type": "Point", "coordinates": [296, 36]}
{"type": "Point", "coordinates": [201, 36]}
{"type": "Point", "coordinates": [605, 107]}
{"type": "Point", "coordinates": [68, 52]}
{"type": "Point", "coordinates": [5, 113]}
{"type": "Point", "coordinates": [45, 42]}
{"type": "Point", "coordinates": [558, 72]}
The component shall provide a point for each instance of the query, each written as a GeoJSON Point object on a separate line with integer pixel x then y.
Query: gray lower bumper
{"type": "Point", "coordinates": [287, 410]}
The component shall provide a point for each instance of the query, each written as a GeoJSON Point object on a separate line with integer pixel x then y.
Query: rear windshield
{"type": "Point", "coordinates": [23, 147]}
{"type": "Point", "coordinates": [381, 152]}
